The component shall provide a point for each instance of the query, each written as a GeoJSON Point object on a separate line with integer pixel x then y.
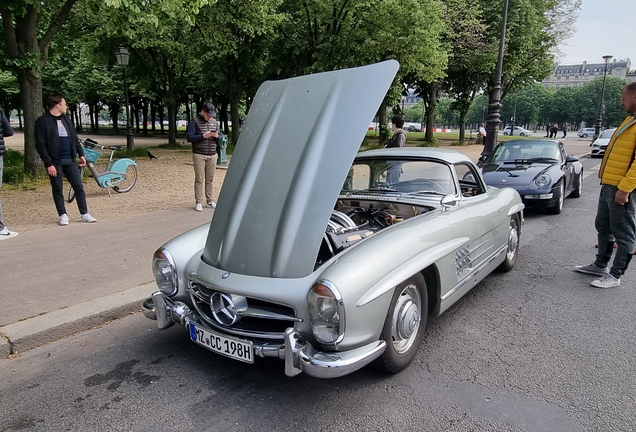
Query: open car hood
{"type": "Point", "coordinates": [290, 162]}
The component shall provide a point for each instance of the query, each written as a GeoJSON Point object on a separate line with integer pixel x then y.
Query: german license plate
{"type": "Point", "coordinates": [236, 349]}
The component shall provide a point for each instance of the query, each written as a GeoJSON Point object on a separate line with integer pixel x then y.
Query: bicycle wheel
{"type": "Point", "coordinates": [71, 191]}
{"type": "Point", "coordinates": [131, 178]}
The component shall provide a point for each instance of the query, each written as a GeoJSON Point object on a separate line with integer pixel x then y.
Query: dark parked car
{"type": "Point", "coordinates": [413, 129]}
{"type": "Point", "coordinates": [540, 170]}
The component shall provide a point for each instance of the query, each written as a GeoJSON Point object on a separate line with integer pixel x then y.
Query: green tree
{"type": "Point", "coordinates": [30, 27]}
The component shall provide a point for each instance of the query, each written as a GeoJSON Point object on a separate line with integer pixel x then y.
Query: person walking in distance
{"type": "Point", "coordinates": [564, 129]}
{"type": "Point", "coordinates": [58, 146]}
{"type": "Point", "coordinates": [203, 133]}
{"type": "Point", "coordinates": [5, 131]}
{"type": "Point", "coordinates": [616, 212]}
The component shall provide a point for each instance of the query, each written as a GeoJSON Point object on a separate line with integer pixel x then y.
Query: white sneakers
{"type": "Point", "coordinates": [88, 218]}
{"type": "Point", "coordinates": [85, 218]}
{"type": "Point", "coordinates": [199, 207]}
{"type": "Point", "coordinates": [5, 233]}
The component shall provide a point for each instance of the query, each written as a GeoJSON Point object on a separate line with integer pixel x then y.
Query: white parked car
{"type": "Point", "coordinates": [585, 132]}
{"type": "Point", "coordinates": [599, 146]}
{"type": "Point", "coordinates": [519, 131]}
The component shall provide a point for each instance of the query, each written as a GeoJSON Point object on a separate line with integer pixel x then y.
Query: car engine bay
{"type": "Point", "coordinates": [354, 220]}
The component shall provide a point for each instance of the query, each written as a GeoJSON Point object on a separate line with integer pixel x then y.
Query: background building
{"type": "Point", "coordinates": [577, 75]}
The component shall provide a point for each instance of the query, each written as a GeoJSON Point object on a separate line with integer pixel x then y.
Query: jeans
{"type": "Point", "coordinates": [1, 169]}
{"type": "Point", "coordinates": [615, 222]}
{"type": "Point", "coordinates": [72, 173]}
{"type": "Point", "coordinates": [204, 168]}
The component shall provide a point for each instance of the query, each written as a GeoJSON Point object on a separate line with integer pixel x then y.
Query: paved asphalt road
{"type": "Point", "coordinates": [535, 349]}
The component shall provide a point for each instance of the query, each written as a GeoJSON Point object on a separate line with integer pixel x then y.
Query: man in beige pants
{"type": "Point", "coordinates": [203, 133]}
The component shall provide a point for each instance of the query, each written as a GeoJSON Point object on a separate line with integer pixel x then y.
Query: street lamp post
{"type": "Point", "coordinates": [492, 125]}
{"type": "Point", "coordinates": [122, 55]}
{"type": "Point", "coordinates": [599, 121]}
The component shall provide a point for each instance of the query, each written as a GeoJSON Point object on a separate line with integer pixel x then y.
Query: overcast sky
{"type": "Point", "coordinates": [604, 27]}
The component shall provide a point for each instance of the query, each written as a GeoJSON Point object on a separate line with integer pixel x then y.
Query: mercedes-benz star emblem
{"type": "Point", "coordinates": [225, 307]}
{"type": "Point", "coordinates": [226, 275]}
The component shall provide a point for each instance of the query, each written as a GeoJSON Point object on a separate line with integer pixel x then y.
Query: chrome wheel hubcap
{"type": "Point", "coordinates": [513, 241]}
{"type": "Point", "coordinates": [406, 318]}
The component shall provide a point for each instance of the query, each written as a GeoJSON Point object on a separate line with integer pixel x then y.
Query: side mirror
{"type": "Point", "coordinates": [570, 159]}
{"type": "Point", "coordinates": [447, 202]}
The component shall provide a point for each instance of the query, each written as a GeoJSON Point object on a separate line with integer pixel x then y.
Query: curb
{"type": "Point", "coordinates": [33, 332]}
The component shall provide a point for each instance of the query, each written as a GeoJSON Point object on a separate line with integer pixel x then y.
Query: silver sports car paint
{"type": "Point", "coordinates": [292, 157]}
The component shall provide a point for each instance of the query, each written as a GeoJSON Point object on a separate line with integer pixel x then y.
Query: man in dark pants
{"type": "Point", "coordinates": [616, 213]}
{"type": "Point", "coordinates": [5, 131]}
{"type": "Point", "coordinates": [58, 147]}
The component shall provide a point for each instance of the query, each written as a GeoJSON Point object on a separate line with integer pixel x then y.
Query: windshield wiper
{"type": "Point", "coordinates": [542, 159]}
{"type": "Point", "coordinates": [381, 189]}
{"type": "Point", "coordinates": [427, 192]}
{"type": "Point", "coordinates": [508, 171]}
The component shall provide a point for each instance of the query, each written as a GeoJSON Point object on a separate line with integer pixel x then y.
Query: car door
{"type": "Point", "coordinates": [490, 220]}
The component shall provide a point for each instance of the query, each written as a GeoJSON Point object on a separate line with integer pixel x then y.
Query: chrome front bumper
{"type": "Point", "coordinates": [299, 355]}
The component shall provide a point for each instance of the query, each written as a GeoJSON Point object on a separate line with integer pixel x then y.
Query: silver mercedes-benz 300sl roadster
{"type": "Point", "coordinates": [323, 263]}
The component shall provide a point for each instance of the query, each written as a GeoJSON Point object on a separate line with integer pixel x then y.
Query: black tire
{"type": "Point", "coordinates": [576, 193]}
{"type": "Point", "coordinates": [505, 133]}
{"type": "Point", "coordinates": [71, 191]}
{"type": "Point", "coordinates": [558, 207]}
{"type": "Point", "coordinates": [404, 325]}
{"type": "Point", "coordinates": [512, 248]}
{"type": "Point", "coordinates": [522, 134]}
{"type": "Point", "coordinates": [584, 135]}
{"type": "Point", "coordinates": [129, 183]}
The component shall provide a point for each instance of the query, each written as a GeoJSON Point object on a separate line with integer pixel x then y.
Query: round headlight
{"type": "Point", "coordinates": [326, 313]}
{"type": "Point", "coordinates": [543, 180]}
{"type": "Point", "coordinates": [165, 272]}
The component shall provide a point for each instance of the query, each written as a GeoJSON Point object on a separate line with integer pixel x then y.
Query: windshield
{"type": "Point", "coordinates": [607, 133]}
{"type": "Point", "coordinates": [532, 151]}
{"type": "Point", "coordinates": [401, 176]}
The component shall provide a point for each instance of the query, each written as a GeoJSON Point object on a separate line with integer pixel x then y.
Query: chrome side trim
{"type": "Point", "coordinates": [468, 278]}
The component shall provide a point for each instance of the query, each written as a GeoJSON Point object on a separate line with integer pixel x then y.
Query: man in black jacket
{"type": "Point", "coordinates": [58, 147]}
{"type": "Point", "coordinates": [5, 131]}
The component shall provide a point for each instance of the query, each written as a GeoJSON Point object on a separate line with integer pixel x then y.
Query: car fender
{"type": "Point", "coordinates": [184, 249]}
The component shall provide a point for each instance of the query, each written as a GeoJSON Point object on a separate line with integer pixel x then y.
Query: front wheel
{"type": "Point", "coordinates": [584, 135]}
{"type": "Point", "coordinates": [71, 191]}
{"type": "Point", "coordinates": [512, 248]}
{"type": "Point", "coordinates": [505, 133]}
{"type": "Point", "coordinates": [558, 207]}
{"type": "Point", "coordinates": [404, 325]}
{"type": "Point", "coordinates": [576, 193]}
{"type": "Point", "coordinates": [127, 184]}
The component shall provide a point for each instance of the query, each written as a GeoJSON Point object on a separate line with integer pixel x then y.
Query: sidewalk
{"type": "Point", "coordinates": [57, 282]}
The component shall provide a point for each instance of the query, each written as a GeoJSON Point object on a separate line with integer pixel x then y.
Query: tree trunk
{"type": "Point", "coordinates": [429, 113]}
{"type": "Point", "coordinates": [383, 133]}
{"type": "Point", "coordinates": [144, 108]}
{"type": "Point", "coordinates": [462, 125]}
{"type": "Point", "coordinates": [30, 83]}
{"type": "Point", "coordinates": [153, 116]}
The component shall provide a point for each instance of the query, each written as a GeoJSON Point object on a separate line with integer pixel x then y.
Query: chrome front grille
{"type": "Point", "coordinates": [241, 316]}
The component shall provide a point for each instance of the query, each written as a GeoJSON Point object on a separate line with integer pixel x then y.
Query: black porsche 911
{"type": "Point", "coordinates": [540, 170]}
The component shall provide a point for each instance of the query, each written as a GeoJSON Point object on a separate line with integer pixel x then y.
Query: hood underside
{"type": "Point", "coordinates": [292, 157]}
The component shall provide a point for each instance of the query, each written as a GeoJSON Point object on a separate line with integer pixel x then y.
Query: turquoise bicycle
{"type": "Point", "coordinates": [120, 175]}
